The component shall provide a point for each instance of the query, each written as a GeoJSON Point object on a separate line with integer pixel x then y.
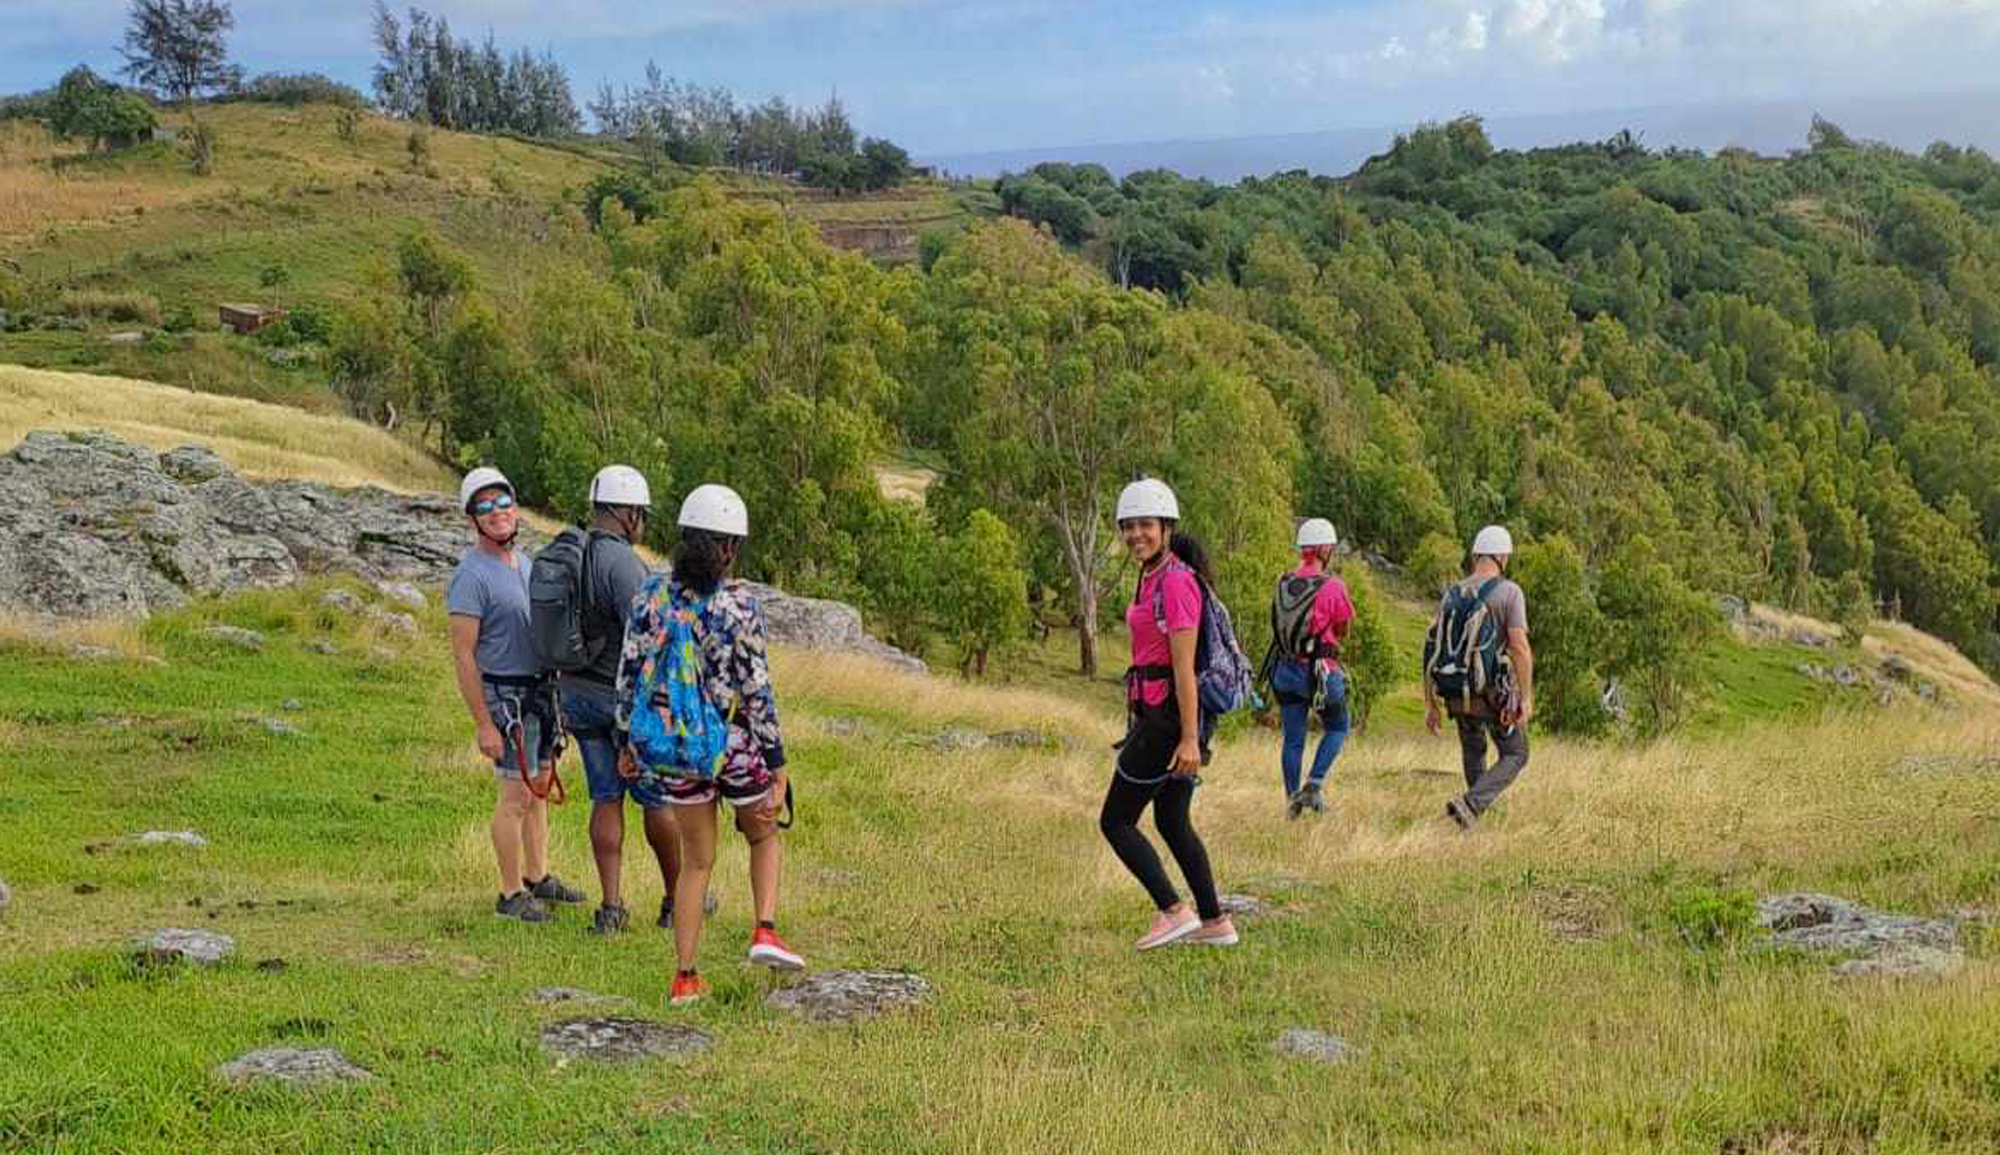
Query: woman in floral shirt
{"type": "Point", "coordinates": [736, 679]}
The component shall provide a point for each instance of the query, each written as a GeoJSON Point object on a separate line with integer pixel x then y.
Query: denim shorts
{"type": "Point", "coordinates": [507, 705]}
{"type": "Point", "coordinates": [594, 725]}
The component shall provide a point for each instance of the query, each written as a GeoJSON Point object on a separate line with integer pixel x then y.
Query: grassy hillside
{"type": "Point", "coordinates": [289, 192]}
{"type": "Point", "coordinates": [1550, 984]}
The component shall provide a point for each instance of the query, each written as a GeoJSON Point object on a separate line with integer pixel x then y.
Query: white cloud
{"type": "Point", "coordinates": [1214, 80]}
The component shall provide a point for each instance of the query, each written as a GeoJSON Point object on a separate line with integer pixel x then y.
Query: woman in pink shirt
{"type": "Point", "coordinates": [1161, 753]}
{"type": "Point", "coordinates": [1305, 669]}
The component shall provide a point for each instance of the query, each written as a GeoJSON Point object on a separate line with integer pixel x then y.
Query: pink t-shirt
{"type": "Point", "coordinates": [1332, 611]}
{"type": "Point", "coordinates": [1149, 645]}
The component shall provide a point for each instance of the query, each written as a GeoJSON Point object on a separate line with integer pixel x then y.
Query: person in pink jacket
{"type": "Point", "coordinates": [1310, 613]}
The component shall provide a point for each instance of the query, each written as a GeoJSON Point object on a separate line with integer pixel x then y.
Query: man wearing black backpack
{"type": "Point", "coordinates": [1478, 665]}
{"type": "Point", "coordinates": [582, 589]}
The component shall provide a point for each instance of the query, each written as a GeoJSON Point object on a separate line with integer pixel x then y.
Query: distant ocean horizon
{"type": "Point", "coordinates": [1909, 122]}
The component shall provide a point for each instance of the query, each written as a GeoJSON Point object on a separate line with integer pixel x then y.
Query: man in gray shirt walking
{"type": "Point", "coordinates": [1503, 712]}
{"type": "Point", "coordinates": [620, 501]}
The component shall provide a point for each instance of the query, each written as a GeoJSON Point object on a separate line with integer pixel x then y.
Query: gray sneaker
{"type": "Point", "coordinates": [1312, 798]}
{"type": "Point", "coordinates": [610, 920]}
{"type": "Point", "coordinates": [1459, 812]}
{"type": "Point", "coordinates": [521, 905]}
{"type": "Point", "coordinates": [666, 921]}
{"type": "Point", "coordinates": [1295, 804]}
{"type": "Point", "coordinates": [553, 889]}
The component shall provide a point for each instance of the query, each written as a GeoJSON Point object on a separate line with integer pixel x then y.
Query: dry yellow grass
{"type": "Point", "coordinates": [1933, 659]}
{"type": "Point", "coordinates": [34, 194]}
{"type": "Point", "coordinates": [261, 439]}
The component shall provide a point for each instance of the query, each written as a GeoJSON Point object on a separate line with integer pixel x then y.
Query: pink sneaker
{"type": "Point", "coordinates": [1221, 932]}
{"type": "Point", "coordinates": [1169, 928]}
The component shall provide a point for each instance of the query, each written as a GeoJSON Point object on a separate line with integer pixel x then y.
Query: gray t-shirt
{"type": "Point", "coordinates": [616, 573]}
{"type": "Point", "coordinates": [1507, 604]}
{"type": "Point", "coordinates": [487, 588]}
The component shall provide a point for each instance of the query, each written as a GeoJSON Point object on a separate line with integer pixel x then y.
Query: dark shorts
{"type": "Point", "coordinates": [594, 724]}
{"type": "Point", "coordinates": [743, 781]}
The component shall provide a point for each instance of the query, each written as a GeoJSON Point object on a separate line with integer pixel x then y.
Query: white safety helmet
{"type": "Point", "coordinates": [1148, 497]}
{"type": "Point", "coordinates": [1493, 541]}
{"type": "Point", "coordinates": [620, 485]}
{"type": "Point", "coordinates": [484, 477]}
{"type": "Point", "coordinates": [1317, 531]}
{"type": "Point", "coordinates": [716, 508]}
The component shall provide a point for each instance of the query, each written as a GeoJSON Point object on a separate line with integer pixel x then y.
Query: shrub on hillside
{"type": "Point", "coordinates": [1437, 562]}
{"type": "Point", "coordinates": [295, 89]}
{"type": "Point", "coordinates": [142, 308]}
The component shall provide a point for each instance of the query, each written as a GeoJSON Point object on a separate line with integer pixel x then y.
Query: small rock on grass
{"type": "Point", "coordinates": [624, 1040]}
{"type": "Point", "coordinates": [843, 996]}
{"type": "Point", "coordinates": [1243, 905]}
{"type": "Point", "coordinates": [242, 639]}
{"type": "Point", "coordinates": [292, 1066]}
{"type": "Point", "coordinates": [169, 838]}
{"type": "Point", "coordinates": [322, 647]}
{"type": "Point", "coordinates": [403, 593]}
{"type": "Point", "coordinates": [176, 945]}
{"type": "Point", "coordinates": [1319, 1046]}
{"type": "Point", "coordinates": [6, 895]}
{"type": "Point", "coordinates": [282, 729]}
{"type": "Point", "coordinates": [341, 600]}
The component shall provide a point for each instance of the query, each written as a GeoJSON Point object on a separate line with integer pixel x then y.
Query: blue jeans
{"type": "Point", "coordinates": [593, 724]}
{"type": "Point", "coordinates": [1291, 683]}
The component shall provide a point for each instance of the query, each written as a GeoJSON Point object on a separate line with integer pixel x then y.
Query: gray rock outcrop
{"type": "Point", "coordinates": [1883, 945]}
{"type": "Point", "coordinates": [175, 945]}
{"type": "Point", "coordinates": [844, 996]}
{"type": "Point", "coordinates": [99, 527]}
{"type": "Point", "coordinates": [1301, 1043]}
{"type": "Point", "coordinates": [293, 1067]}
{"type": "Point", "coordinates": [624, 1040]}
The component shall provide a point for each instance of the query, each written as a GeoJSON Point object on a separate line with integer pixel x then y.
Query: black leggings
{"type": "Point", "coordinates": [1171, 797]}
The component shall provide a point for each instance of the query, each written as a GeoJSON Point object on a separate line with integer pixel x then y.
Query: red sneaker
{"type": "Point", "coordinates": [687, 989]}
{"type": "Point", "coordinates": [770, 950]}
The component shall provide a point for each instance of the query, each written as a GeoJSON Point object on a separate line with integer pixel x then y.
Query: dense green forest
{"type": "Point", "coordinates": [1674, 374]}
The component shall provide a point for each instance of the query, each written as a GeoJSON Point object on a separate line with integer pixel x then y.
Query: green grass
{"type": "Point", "coordinates": [1573, 978]}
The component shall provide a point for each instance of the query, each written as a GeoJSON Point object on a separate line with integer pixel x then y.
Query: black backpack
{"type": "Point", "coordinates": [559, 603]}
{"type": "Point", "coordinates": [1291, 616]}
{"type": "Point", "coordinates": [1463, 655]}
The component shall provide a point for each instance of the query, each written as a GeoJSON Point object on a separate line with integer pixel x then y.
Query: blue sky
{"type": "Point", "coordinates": [969, 75]}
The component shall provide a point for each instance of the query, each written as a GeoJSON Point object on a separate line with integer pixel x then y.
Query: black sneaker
{"type": "Point", "coordinates": [1295, 804]}
{"type": "Point", "coordinates": [1459, 812]}
{"type": "Point", "coordinates": [666, 921]}
{"type": "Point", "coordinates": [521, 905]}
{"type": "Point", "coordinates": [553, 889]}
{"type": "Point", "coordinates": [1312, 798]}
{"type": "Point", "coordinates": [610, 920]}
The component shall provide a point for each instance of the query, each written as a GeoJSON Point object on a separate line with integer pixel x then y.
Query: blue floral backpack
{"type": "Point", "coordinates": [676, 731]}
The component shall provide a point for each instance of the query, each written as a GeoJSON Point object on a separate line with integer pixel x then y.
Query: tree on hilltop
{"type": "Point", "coordinates": [179, 48]}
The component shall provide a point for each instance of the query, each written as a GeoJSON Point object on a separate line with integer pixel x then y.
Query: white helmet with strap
{"type": "Point", "coordinates": [484, 477]}
{"type": "Point", "coordinates": [1317, 531]}
{"type": "Point", "coordinates": [1148, 497]}
{"type": "Point", "coordinates": [717, 509]}
{"type": "Point", "coordinates": [1493, 541]}
{"type": "Point", "coordinates": [620, 485]}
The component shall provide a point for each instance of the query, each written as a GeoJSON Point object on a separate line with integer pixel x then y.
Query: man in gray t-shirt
{"type": "Point", "coordinates": [1505, 724]}
{"type": "Point", "coordinates": [619, 502]}
{"type": "Point", "coordinates": [497, 676]}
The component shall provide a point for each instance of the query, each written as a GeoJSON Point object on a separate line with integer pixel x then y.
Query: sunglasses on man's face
{"type": "Point", "coordinates": [498, 501]}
